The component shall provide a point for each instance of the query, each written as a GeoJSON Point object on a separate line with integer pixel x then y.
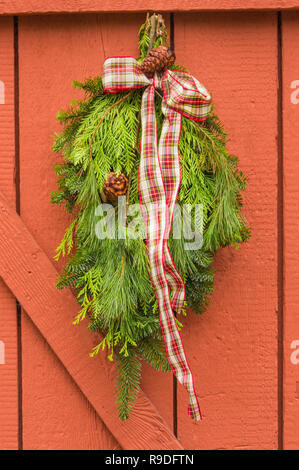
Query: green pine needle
{"type": "Point", "coordinates": [110, 276]}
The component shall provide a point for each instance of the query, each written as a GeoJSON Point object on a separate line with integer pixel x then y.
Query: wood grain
{"type": "Point", "coordinates": [232, 348]}
{"type": "Point", "coordinates": [54, 51]}
{"type": "Point", "coordinates": [15, 7]}
{"type": "Point", "coordinates": [8, 316]}
{"type": "Point", "coordinates": [30, 275]}
{"type": "Point", "coordinates": [290, 49]}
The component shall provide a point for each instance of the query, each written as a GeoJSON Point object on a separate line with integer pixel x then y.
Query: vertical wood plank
{"type": "Point", "coordinates": [290, 49]}
{"type": "Point", "coordinates": [8, 326]}
{"type": "Point", "coordinates": [232, 348]}
{"type": "Point", "coordinates": [54, 51]}
{"type": "Point", "coordinates": [120, 37]}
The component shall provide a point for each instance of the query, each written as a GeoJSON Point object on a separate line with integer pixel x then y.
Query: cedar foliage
{"type": "Point", "coordinates": [110, 276]}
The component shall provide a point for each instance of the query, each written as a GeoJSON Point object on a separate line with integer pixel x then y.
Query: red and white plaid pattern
{"type": "Point", "coordinates": [159, 182]}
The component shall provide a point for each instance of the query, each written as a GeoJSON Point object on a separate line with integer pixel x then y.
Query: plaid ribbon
{"type": "Point", "coordinates": [159, 182]}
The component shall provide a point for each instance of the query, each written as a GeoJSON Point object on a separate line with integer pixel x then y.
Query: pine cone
{"type": "Point", "coordinates": [158, 60]}
{"type": "Point", "coordinates": [115, 186]}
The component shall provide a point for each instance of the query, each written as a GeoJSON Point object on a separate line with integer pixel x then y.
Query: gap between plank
{"type": "Point", "coordinates": [18, 208]}
{"type": "Point", "coordinates": [280, 234]}
{"type": "Point", "coordinates": [174, 380]}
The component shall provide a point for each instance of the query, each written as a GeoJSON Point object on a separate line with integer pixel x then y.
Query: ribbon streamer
{"type": "Point", "coordinates": [159, 183]}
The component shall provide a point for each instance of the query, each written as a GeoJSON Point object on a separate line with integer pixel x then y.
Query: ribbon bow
{"type": "Point", "coordinates": [159, 182]}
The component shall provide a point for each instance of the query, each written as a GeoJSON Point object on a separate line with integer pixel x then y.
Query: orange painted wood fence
{"type": "Point", "coordinates": [244, 350]}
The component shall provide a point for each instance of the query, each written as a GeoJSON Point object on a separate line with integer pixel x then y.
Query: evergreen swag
{"type": "Point", "coordinates": [101, 134]}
